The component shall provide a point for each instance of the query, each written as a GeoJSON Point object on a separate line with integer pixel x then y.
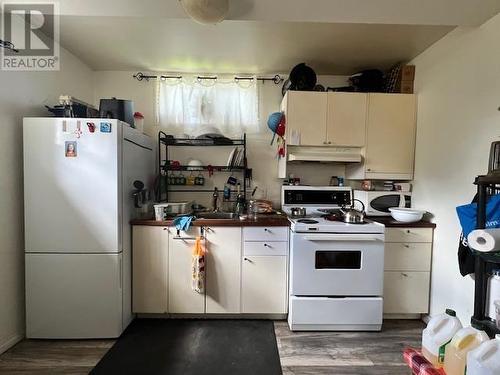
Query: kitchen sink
{"type": "Point", "coordinates": [217, 215]}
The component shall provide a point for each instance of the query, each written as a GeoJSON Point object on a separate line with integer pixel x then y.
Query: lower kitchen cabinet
{"type": "Point", "coordinates": [264, 285]}
{"type": "Point", "coordinates": [181, 297]}
{"type": "Point", "coordinates": [406, 292]}
{"type": "Point", "coordinates": [238, 279]}
{"type": "Point", "coordinates": [407, 271]}
{"type": "Point", "coordinates": [150, 264]}
{"type": "Point", "coordinates": [223, 270]}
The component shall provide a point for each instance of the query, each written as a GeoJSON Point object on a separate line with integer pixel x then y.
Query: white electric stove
{"type": "Point", "coordinates": [336, 269]}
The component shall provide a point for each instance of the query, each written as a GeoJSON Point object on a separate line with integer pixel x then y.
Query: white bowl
{"type": "Point", "coordinates": [194, 165]}
{"type": "Point", "coordinates": [406, 215]}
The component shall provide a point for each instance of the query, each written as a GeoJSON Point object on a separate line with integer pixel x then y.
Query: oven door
{"type": "Point", "coordinates": [328, 264]}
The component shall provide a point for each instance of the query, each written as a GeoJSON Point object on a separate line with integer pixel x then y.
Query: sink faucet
{"type": "Point", "coordinates": [215, 200]}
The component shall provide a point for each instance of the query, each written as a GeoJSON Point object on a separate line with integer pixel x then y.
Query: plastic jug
{"type": "Point", "coordinates": [493, 294]}
{"type": "Point", "coordinates": [466, 340]}
{"type": "Point", "coordinates": [438, 335]}
{"type": "Point", "coordinates": [485, 360]}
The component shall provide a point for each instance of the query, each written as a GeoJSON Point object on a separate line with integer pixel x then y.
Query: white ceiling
{"type": "Point", "coordinates": [124, 43]}
{"type": "Point", "coordinates": [414, 12]}
{"type": "Point", "coordinates": [262, 36]}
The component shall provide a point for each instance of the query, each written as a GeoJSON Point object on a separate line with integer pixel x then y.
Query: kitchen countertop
{"type": "Point", "coordinates": [389, 222]}
{"type": "Point", "coordinates": [275, 220]}
{"type": "Point", "coordinates": [271, 220]}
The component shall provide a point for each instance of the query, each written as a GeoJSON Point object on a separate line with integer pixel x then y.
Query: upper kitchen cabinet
{"type": "Point", "coordinates": [346, 119]}
{"type": "Point", "coordinates": [390, 139]}
{"type": "Point", "coordinates": [305, 113]}
{"type": "Point", "coordinates": [325, 119]}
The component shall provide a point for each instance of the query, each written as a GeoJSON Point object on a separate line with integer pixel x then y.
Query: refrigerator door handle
{"type": "Point", "coordinates": [120, 273]}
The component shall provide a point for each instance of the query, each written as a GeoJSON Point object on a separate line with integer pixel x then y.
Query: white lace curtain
{"type": "Point", "coordinates": [192, 107]}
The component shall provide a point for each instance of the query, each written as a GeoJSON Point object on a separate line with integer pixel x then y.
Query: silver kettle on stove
{"type": "Point", "coordinates": [352, 215]}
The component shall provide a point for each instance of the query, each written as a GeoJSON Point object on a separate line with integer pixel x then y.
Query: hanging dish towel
{"type": "Point", "coordinates": [198, 267]}
{"type": "Point", "coordinates": [183, 222]}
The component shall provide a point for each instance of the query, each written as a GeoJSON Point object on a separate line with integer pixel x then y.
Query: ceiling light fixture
{"type": "Point", "coordinates": [206, 12]}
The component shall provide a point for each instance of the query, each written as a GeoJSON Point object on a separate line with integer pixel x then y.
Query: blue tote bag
{"type": "Point", "coordinates": [467, 215]}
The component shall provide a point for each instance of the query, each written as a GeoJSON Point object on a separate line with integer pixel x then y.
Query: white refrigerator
{"type": "Point", "coordinates": [78, 186]}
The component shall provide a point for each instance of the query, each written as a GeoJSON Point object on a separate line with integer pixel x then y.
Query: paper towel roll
{"type": "Point", "coordinates": [484, 240]}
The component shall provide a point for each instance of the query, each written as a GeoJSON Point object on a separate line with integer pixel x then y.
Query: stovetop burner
{"type": "Point", "coordinates": [307, 221]}
{"type": "Point", "coordinates": [339, 218]}
{"type": "Point", "coordinates": [332, 217]}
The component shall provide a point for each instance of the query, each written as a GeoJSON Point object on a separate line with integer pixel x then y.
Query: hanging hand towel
{"type": "Point", "coordinates": [198, 267]}
{"type": "Point", "coordinates": [183, 222]}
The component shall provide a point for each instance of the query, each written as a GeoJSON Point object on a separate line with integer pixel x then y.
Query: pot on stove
{"type": "Point", "coordinates": [298, 211]}
{"type": "Point", "coordinates": [352, 215]}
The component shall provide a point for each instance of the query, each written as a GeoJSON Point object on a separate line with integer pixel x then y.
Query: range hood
{"type": "Point", "coordinates": [325, 154]}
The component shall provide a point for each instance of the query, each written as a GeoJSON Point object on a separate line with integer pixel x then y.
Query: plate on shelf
{"type": "Point", "coordinates": [230, 160]}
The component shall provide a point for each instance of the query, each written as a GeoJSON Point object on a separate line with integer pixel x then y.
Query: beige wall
{"type": "Point", "coordinates": [458, 82]}
{"type": "Point", "coordinates": [261, 156]}
{"type": "Point", "coordinates": [24, 94]}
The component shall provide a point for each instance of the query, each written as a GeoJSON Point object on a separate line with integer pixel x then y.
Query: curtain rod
{"type": "Point", "coordinates": [277, 79]}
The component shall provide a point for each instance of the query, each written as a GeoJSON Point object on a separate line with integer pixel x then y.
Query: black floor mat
{"type": "Point", "coordinates": [189, 347]}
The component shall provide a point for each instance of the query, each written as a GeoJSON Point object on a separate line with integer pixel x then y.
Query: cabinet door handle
{"type": "Point", "coordinates": [266, 245]}
{"type": "Point", "coordinates": [406, 245]}
{"type": "Point", "coordinates": [404, 274]}
{"type": "Point", "coordinates": [248, 260]}
{"type": "Point", "coordinates": [329, 142]}
{"type": "Point", "coordinates": [324, 142]}
{"type": "Point", "coordinates": [267, 230]}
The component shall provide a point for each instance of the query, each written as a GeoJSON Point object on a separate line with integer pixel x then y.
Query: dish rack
{"type": "Point", "coordinates": [165, 142]}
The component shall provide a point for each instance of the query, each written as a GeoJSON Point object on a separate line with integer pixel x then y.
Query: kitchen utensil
{"type": "Point", "coordinates": [334, 181]}
{"type": "Point", "coordinates": [194, 165]}
{"type": "Point", "coordinates": [163, 210]}
{"type": "Point", "coordinates": [276, 122]}
{"type": "Point", "coordinates": [406, 215]}
{"type": "Point", "coordinates": [352, 215]}
{"type": "Point", "coordinates": [303, 78]}
{"type": "Point", "coordinates": [230, 159]}
{"type": "Point", "coordinates": [298, 212]}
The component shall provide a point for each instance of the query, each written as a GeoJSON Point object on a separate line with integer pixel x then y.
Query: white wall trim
{"type": "Point", "coordinates": [10, 343]}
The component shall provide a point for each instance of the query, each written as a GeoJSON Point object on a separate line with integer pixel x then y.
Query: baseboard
{"type": "Point", "coordinates": [214, 316]}
{"type": "Point", "coordinates": [403, 316]}
{"type": "Point", "coordinates": [10, 343]}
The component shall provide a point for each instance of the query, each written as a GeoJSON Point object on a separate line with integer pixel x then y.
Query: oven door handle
{"type": "Point", "coordinates": [345, 237]}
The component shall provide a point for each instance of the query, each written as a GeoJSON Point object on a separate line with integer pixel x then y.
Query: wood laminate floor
{"type": "Point", "coordinates": [301, 353]}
